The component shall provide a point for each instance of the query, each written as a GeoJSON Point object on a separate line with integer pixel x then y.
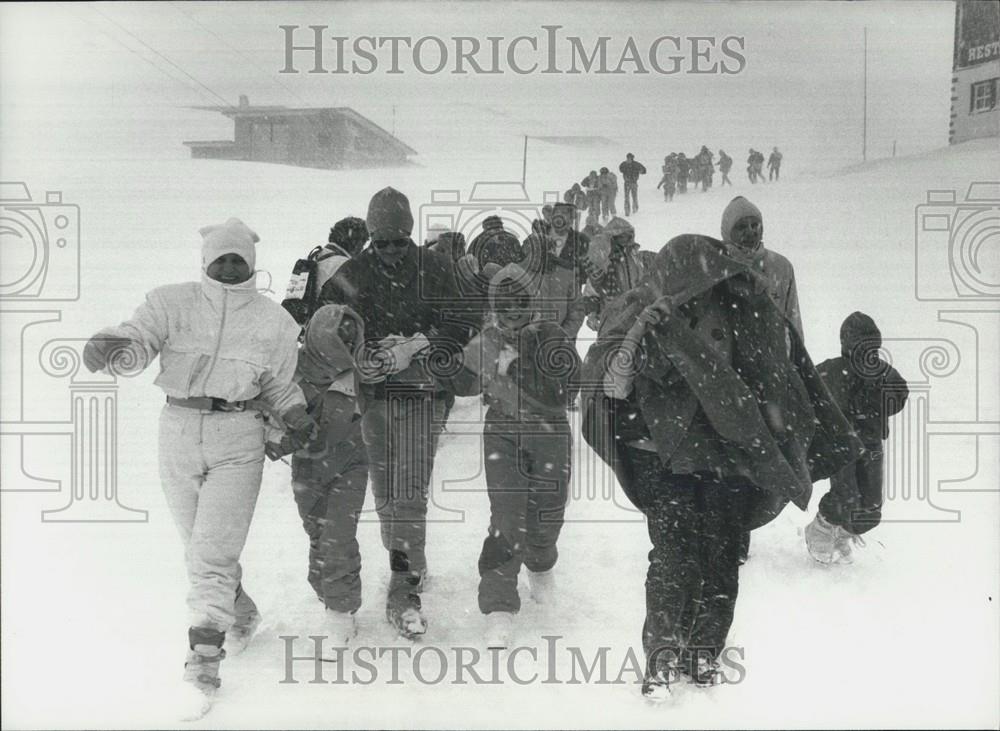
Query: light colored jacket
{"type": "Point", "coordinates": [216, 340]}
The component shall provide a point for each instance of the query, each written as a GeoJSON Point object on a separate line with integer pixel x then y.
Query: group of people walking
{"type": "Point", "coordinates": [597, 193]}
{"type": "Point", "coordinates": [681, 171]}
{"type": "Point", "coordinates": [698, 393]}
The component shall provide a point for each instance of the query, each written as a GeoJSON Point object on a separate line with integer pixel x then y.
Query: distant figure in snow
{"type": "Point", "coordinates": [631, 169]}
{"type": "Point", "coordinates": [607, 182]}
{"type": "Point", "coordinates": [591, 186]}
{"type": "Point", "coordinates": [725, 165]}
{"type": "Point", "coordinates": [774, 165]}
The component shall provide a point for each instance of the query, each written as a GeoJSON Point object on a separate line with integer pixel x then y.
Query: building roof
{"type": "Point", "coordinates": [245, 111]}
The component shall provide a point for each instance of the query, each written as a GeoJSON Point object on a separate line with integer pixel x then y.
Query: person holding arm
{"type": "Point", "coordinates": [227, 356]}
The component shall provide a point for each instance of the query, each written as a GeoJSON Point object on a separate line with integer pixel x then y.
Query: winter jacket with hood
{"type": "Point", "coordinates": [615, 269]}
{"type": "Point", "coordinates": [328, 378]}
{"type": "Point", "coordinates": [728, 364]}
{"type": "Point", "coordinates": [553, 285]}
{"type": "Point", "coordinates": [540, 382]}
{"type": "Point", "coordinates": [775, 268]}
{"type": "Point", "coordinates": [866, 388]}
{"type": "Point", "coordinates": [221, 341]}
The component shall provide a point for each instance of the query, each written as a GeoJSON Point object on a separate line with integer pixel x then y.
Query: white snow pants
{"type": "Point", "coordinates": [211, 465]}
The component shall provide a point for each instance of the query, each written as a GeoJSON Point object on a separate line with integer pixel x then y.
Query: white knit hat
{"type": "Point", "coordinates": [231, 237]}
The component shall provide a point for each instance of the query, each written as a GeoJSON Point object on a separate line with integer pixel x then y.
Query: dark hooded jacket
{"type": "Point", "coordinates": [326, 374]}
{"type": "Point", "coordinates": [866, 388]}
{"type": "Point", "coordinates": [730, 362]}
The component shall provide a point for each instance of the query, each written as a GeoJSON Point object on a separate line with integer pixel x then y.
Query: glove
{"type": "Point", "coordinates": [403, 349]}
{"type": "Point", "coordinates": [274, 451]}
{"type": "Point", "coordinates": [99, 348]}
{"type": "Point", "coordinates": [299, 426]}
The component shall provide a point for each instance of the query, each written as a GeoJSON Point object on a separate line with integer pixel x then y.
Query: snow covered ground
{"type": "Point", "coordinates": [93, 619]}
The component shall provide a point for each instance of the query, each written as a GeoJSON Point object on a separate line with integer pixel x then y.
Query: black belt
{"type": "Point", "coordinates": [207, 403]}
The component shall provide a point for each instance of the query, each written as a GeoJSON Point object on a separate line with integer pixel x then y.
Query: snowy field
{"type": "Point", "coordinates": [93, 618]}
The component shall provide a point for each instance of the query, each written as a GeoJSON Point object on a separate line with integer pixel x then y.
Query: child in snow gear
{"type": "Point", "coordinates": [525, 369]}
{"type": "Point", "coordinates": [713, 418]}
{"type": "Point", "coordinates": [869, 391]}
{"type": "Point", "coordinates": [408, 299]}
{"type": "Point", "coordinates": [226, 353]}
{"type": "Point", "coordinates": [631, 169]}
{"type": "Point", "coordinates": [330, 473]}
{"type": "Point", "coordinates": [774, 165]}
{"type": "Point", "coordinates": [309, 275]}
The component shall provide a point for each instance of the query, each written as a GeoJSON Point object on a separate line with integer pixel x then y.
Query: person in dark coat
{"type": "Point", "coordinates": [414, 319]}
{"type": "Point", "coordinates": [705, 165]}
{"type": "Point", "coordinates": [525, 368]}
{"type": "Point", "coordinates": [702, 398]}
{"type": "Point", "coordinates": [347, 237]}
{"type": "Point", "coordinates": [669, 180]}
{"type": "Point", "coordinates": [495, 244]}
{"type": "Point", "coordinates": [725, 165]}
{"type": "Point", "coordinates": [774, 165]}
{"type": "Point", "coordinates": [869, 391]}
{"type": "Point", "coordinates": [683, 171]}
{"type": "Point", "coordinates": [631, 169]}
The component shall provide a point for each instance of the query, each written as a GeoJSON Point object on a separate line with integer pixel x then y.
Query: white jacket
{"type": "Point", "coordinates": [222, 341]}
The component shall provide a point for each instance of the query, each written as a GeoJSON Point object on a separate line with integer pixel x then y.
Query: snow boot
{"type": "Point", "coordinates": [702, 671]}
{"type": "Point", "coordinates": [201, 671]}
{"type": "Point", "coordinates": [821, 539]}
{"type": "Point", "coordinates": [656, 686]}
{"type": "Point", "coordinates": [246, 624]}
{"type": "Point", "coordinates": [542, 586]}
{"type": "Point", "coordinates": [842, 545]}
{"type": "Point", "coordinates": [341, 627]}
{"type": "Point", "coordinates": [499, 630]}
{"type": "Point", "coordinates": [408, 621]}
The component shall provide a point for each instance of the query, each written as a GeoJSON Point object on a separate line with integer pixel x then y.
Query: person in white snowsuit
{"type": "Point", "coordinates": [227, 354]}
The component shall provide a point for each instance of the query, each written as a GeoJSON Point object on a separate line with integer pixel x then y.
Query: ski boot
{"type": "Point", "coordinates": [656, 685]}
{"type": "Point", "coordinates": [201, 671]}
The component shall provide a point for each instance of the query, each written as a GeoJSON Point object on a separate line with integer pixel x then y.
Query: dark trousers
{"type": "Point", "coordinates": [854, 501]}
{"type": "Point", "coordinates": [631, 196]}
{"type": "Point", "coordinates": [695, 524]}
{"type": "Point", "coordinates": [329, 505]}
{"type": "Point", "coordinates": [527, 478]}
{"type": "Point", "coordinates": [401, 433]}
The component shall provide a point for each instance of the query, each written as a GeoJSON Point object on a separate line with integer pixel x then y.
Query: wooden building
{"type": "Point", "coordinates": [331, 137]}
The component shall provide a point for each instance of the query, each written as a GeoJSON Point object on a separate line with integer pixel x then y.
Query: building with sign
{"type": "Point", "coordinates": [975, 111]}
{"type": "Point", "coordinates": [332, 137]}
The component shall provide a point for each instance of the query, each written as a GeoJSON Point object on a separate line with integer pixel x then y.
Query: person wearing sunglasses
{"type": "Point", "coordinates": [408, 299]}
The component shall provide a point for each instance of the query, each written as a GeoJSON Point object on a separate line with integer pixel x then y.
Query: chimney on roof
{"type": "Point", "coordinates": [244, 100]}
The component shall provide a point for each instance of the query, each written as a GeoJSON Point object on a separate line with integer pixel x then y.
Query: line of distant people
{"type": "Point", "coordinates": [680, 171]}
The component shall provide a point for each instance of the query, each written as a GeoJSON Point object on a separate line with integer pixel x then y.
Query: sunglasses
{"type": "Point", "coordinates": [398, 243]}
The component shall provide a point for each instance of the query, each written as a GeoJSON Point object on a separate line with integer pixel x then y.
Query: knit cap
{"type": "Point", "coordinates": [231, 237]}
{"type": "Point", "coordinates": [389, 217]}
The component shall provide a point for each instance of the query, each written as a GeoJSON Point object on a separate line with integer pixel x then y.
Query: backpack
{"type": "Point", "coordinates": [302, 295]}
